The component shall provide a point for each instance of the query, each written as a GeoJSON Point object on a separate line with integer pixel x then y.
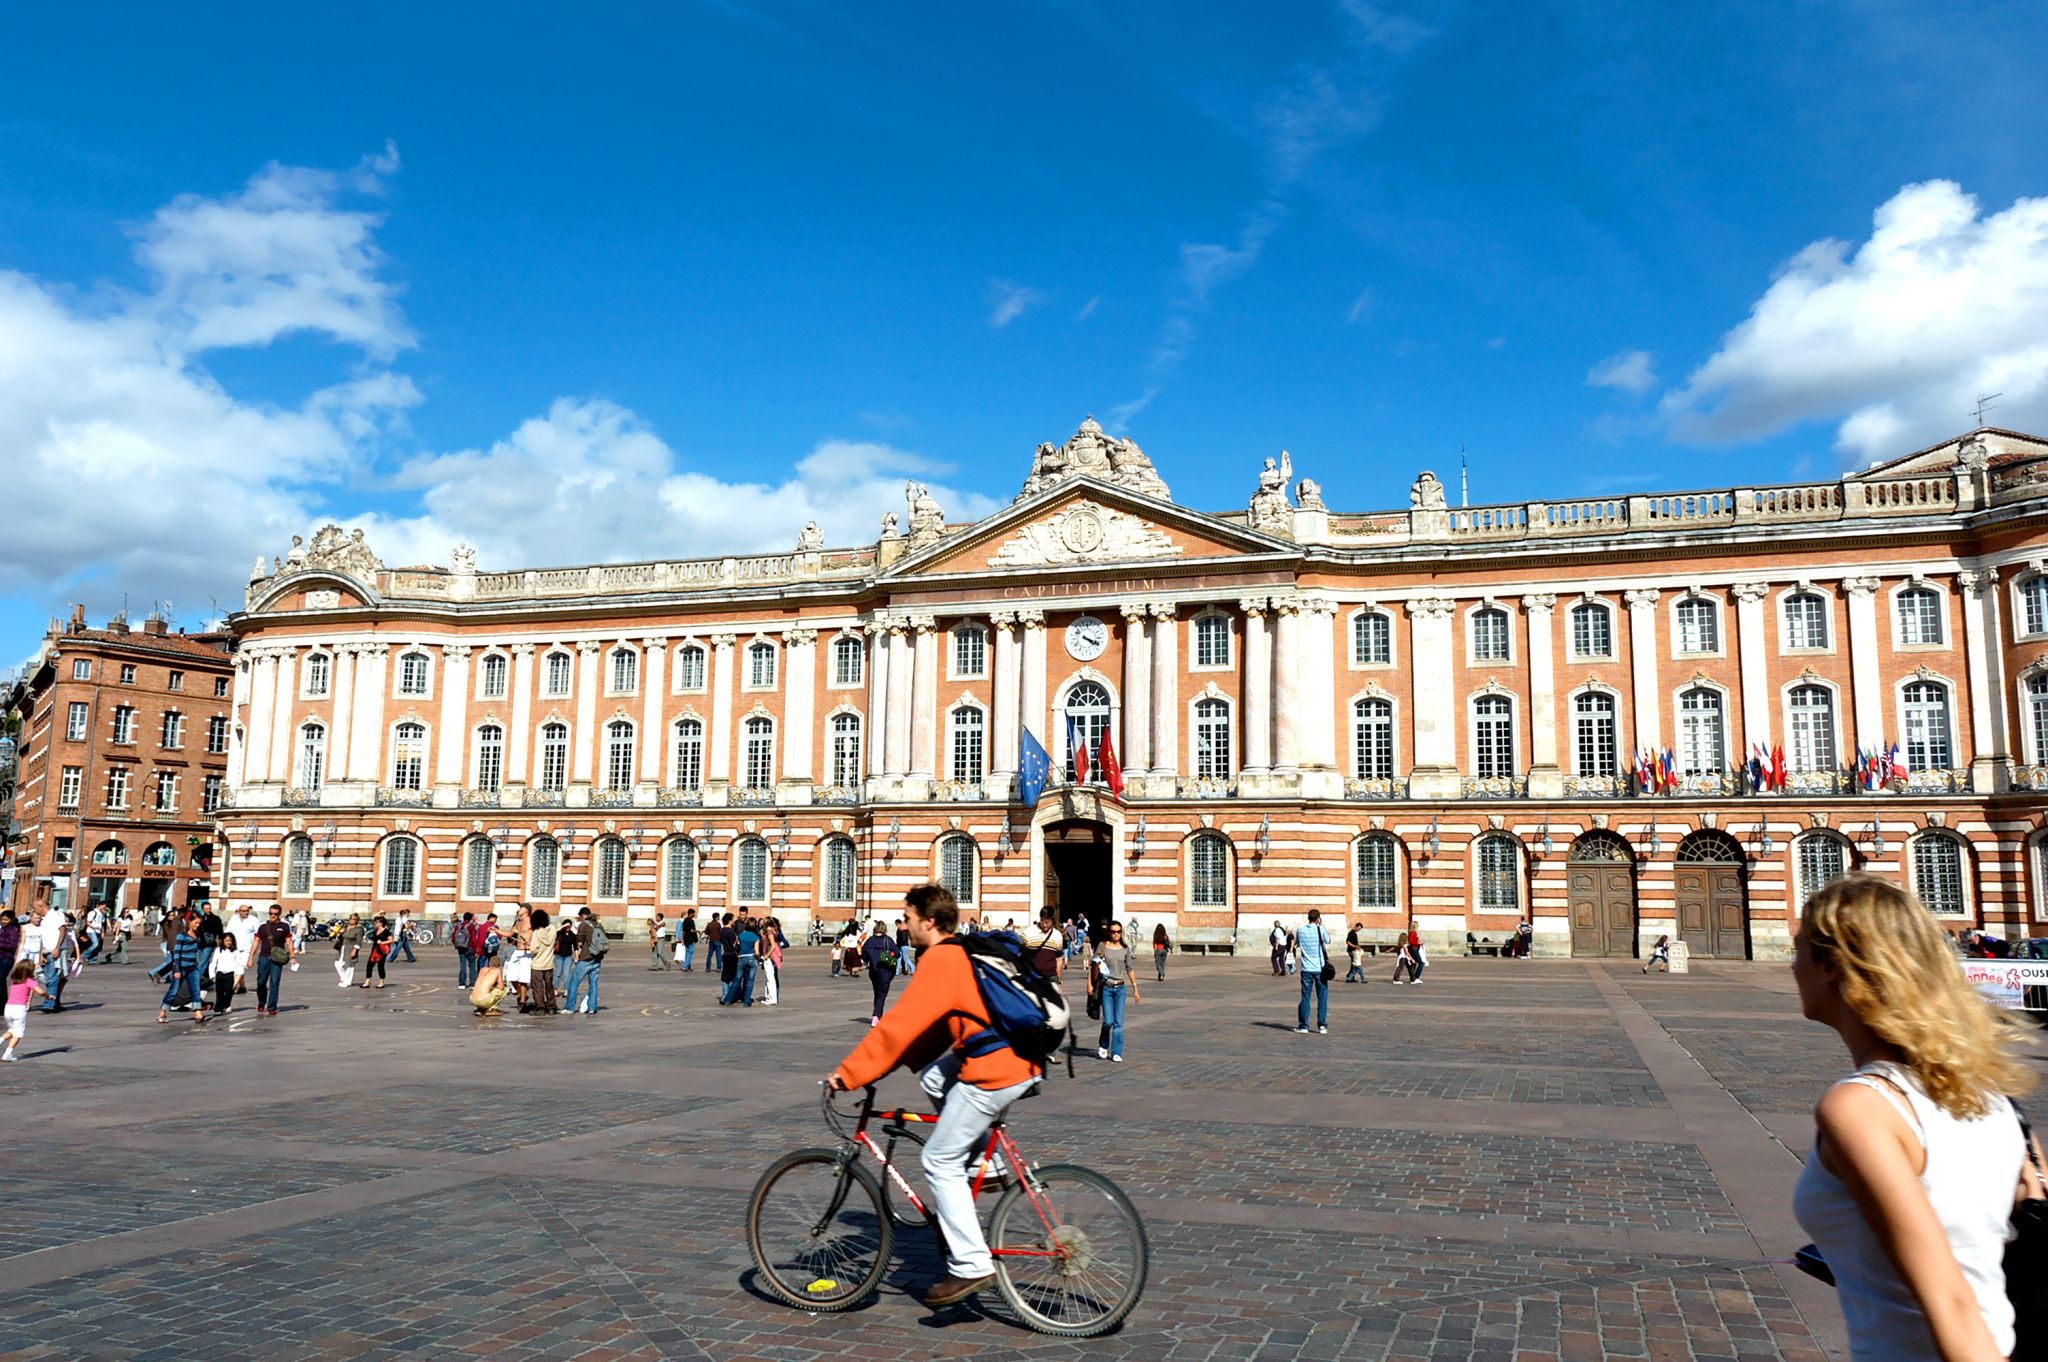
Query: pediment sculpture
{"type": "Point", "coordinates": [333, 550]}
{"type": "Point", "coordinates": [1085, 532]}
{"type": "Point", "coordinates": [1270, 509]}
{"type": "Point", "coordinates": [927, 519]}
{"type": "Point", "coordinates": [1092, 453]}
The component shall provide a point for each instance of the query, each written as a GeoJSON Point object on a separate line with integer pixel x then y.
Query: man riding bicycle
{"type": "Point", "coordinates": [941, 1027]}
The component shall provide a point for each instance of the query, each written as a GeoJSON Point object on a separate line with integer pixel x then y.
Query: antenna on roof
{"type": "Point", "coordinates": [1985, 404]}
{"type": "Point", "coordinates": [1464, 478]}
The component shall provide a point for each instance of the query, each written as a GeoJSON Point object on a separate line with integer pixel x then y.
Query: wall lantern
{"type": "Point", "coordinates": [1265, 834]}
{"type": "Point", "coordinates": [1137, 840]}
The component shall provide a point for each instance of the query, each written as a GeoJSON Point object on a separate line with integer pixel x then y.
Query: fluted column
{"type": "Point", "coordinates": [1136, 738]}
{"type": "Point", "coordinates": [900, 693]}
{"type": "Point", "coordinates": [366, 746]}
{"type": "Point", "coordinates": [256, 723]}
{"type": "Point", "coordinates": [1165, 690]}
{"type": "Point", "coordinates": [1258, 685]}
{"type": "Point", "coordinates": [924, 704]}
{"type": "Point", "coordinates": [1317, 682]}
{"type": "Point", "coordinates": [1287, 667]}
{"type": "Point", "coordinates": [653, 685]}
{"type": "Point", "coordinates": [799, 700]}
{"type": "Point", "coordinates": [718, 757]}
{"type": "Point", "coordinates": [1002, 762]}
{"type": "Point", "coordinates": [1755, 645]}
{"type": "Point", "coordinates": [454, 744]}
{"type": "Point", "coordinates": [1988, 758]}
{"type": "Point", "coordinates": [1546, 777]}
{"type": "Point", "coordinates": [1031, 683]}
{"type": "Point", "coordinates": [584, 744]}
{"type": "Point", "coordinates": [341, 720]}
{"type": "Point", "coordinates": [516, 741]}
{"type": "Point", "coordinates": [287, 683]}
{"type": "Point", "coordinates": [238, 714]}
{"type": "Point", "coordinates": [1646, 705]}
{"type": "Point", "coordinates": [1430, 649]}
{"type": "Point", "coordinates": [875, 731]}
{"type": "Point", "coordinates": [1866, 690]}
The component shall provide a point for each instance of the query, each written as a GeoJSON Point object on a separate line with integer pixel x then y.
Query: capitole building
{"type": "Point", "coordinates": [1431, 713]}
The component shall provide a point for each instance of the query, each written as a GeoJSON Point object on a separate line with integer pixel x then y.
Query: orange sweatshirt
{"type": "Point", "coordinates": [938, 1011]}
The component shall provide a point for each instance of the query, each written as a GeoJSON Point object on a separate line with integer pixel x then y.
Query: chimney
{"type": "Point", "coordinates": [154, 625]}
{"type": "Point", "coordinates": [118, 625]}
{"type": "Point", "coordinates": [77, 621]}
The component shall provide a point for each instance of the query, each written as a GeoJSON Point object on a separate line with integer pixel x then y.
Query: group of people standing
{"type": "Point", "coordinates": [209, 960]}
{"type": "Point", "coordinates": [548, 965]}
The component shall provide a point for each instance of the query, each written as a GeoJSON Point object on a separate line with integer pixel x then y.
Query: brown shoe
{"type": "Point", "coordinates": [952, 1290]}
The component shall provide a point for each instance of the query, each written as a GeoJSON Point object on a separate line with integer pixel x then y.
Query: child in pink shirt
{"type": "Point", "coordinates": [21, 986]}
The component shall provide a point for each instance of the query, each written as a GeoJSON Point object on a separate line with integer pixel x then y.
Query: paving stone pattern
{"type": "Point", "coordinates": [390, 1177]}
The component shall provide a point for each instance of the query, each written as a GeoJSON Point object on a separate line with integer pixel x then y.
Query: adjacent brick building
{"type": "Point", "coordinates": [121, 761]}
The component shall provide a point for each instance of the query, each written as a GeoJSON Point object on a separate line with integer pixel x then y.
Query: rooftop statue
{"type": "Point", "coordinates": [1427, 494]}
{"type": "Point", "coordinates": [1270, 509]}
{"type": "Point", "coordinates": [1091, 453]}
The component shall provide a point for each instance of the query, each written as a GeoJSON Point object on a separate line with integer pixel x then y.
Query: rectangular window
{"type": "Point", "coordinates": [1373, 740]}
{"type": "Point", "coordinates": [117, 788]}
{"type": "Point", "coordinates": [210, 796]}
{"type": "Point", "coordinates": [846, 751]}
{"type": "Point", "coordinates": [690, 668]}
{"type": "Point", "coordinates": [1592, 632]}
{"type": "Point", "coordinates": [1699, 627]}
{"type": "Point", "coordinates": [70, 786]}
{"type": "Point", "coordinates": [1212, 641]}
{"type": "Point", "coordinates": [166, 792]}
{"type": "Point", "coordinates": [1372, 639]}
{"type": "Point", "coordinates": [1490, 635]}
{"type": "Point", "coordinates": [81, 669]}
{"type": "Point", "coordinates": [1813, 729]}
{"type": "Point", "coordinates": [127, 675]}
{"type": "Point", "coordinates": [761, 666]}
{"type": "Point", "coordinates": [760, 757]}
{"type": "Point", "coordinates": [967, 744]}
{"type": "Point", "coordinates": [174, 729]}
{"type": "Point", "coordinates": [75, 721]}
{"type": "Point", "coordinates": [220, 687]}
{"type": "Point", "coordinates": [847, 656]}
{"type": "Point", "coordinates": [970, 651]}
{"type": "Point", "coordinates": [177, 681]}
{"type": "Point", "coordinates": [1493, 754]}
{"type": "Point", "coordinates": [60, 854]}
{"type": "Point", "coordinates": [124, 724]}
{"type": "Point", "coordinates": [1806, 622]}
{"type": "Point", "coordinates": [217, 734]}
{"type": "Point", "coordinates": [558, 666]}
{"type": "Point", "coordinates": [1919, 617]}
{"type": "Point", "coordinates": [1593, 753]}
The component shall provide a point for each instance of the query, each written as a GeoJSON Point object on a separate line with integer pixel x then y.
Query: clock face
{"type": "Point", "coordinates": [1086, 638]}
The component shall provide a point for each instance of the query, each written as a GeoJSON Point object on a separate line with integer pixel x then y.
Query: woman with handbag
{"type": "Point", "coordinates": [1312, 955]}
{"type": "Point", "coordinates": [1919, 1156]}
{"type": "Point", "coordinates": [1109, 979]}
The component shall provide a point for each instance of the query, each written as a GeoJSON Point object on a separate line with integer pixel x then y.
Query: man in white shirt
{"type": "Point", "coordinates": [95, 930]}
{"type": "Point", "coordinates": [243, 923]}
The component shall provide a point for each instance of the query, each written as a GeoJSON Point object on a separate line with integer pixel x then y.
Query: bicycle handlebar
{"type": "Point", "coordinates": [835, 1119]}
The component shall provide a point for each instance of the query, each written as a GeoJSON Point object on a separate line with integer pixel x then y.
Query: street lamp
{"type": "Point", "coordinates": [1877, 837]}
{"type": "Point", "coordinates": [1656, 842]}
{"type": "Point", "coordinates": [1548, 846]}
{"type": "Point", "coordinates": [895, 826]}
{"type": "Point", "coordinates": [1434, 844]}
{"type": "Point", "coordinates": [1138, 840]}
{"type": "Point", "coordinates": [1265, 834]}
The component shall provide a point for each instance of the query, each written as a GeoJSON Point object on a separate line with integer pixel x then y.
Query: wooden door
{"type": "Point", "coordinates": [1711, 910]}
{"type": "Point", "coordinates": [1602, 903]}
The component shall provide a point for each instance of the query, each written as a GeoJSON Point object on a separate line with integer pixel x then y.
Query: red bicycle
{"type": "Point", "coordinates": [1070, 1251]}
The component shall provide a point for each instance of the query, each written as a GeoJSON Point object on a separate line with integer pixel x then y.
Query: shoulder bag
{"type": "Point", "coordinates": [1329, 970]}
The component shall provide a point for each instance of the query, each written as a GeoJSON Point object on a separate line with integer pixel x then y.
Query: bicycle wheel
{"type": "Point", "coordinates": [1083, 1252]}
{"type": "Point", "coordinates": [423, 936]}
{"type": "Point", "coordinates": [816, 1228]}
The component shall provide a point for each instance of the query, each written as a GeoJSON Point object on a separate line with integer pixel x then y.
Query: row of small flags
{"type": "Point", "coordinates": [1654, 772]}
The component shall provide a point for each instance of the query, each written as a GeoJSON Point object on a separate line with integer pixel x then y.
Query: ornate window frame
{"type": "Point", "coordinates": [746, 656]}
{"type": "Point", "coordinates": [1590, 600]}
{"type": "Point", "coordinates": [860, 651]}
{"type": "Point", "coordinates": [1372, 690]}
{"type": "Point", "coordinates": [1693, 595]}
{"type": "Point", "coordinates": [676, 669]}
{"type": "Point", "coordinates": [1351, 626]}
{"type": "Point", "coordinates": [1472, 612]}
{"type": "Point", "coordinates": [1781, 602]}
{"type": "Point", "coordinates": [1944, 596]}
{"type": "Point", "coordinates": [1231, 642]}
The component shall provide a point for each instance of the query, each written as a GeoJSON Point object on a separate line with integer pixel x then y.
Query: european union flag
{"type": "Point", "coordinates": [1034, 764]}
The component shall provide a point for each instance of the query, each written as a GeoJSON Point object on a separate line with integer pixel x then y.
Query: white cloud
{"type": "Point", "coordinates": [1008, 301]}
{"type": "Point", "coordinates": [1895, 337]}
{"type": "Point", "coordinates": [1204, 268]}
{"type": "Point", "coordinates": [1087, 309]}
{"type": "Point", "coordinates": [1361, 307]}
{"type": "Point", "coordinates": [1631, 371]}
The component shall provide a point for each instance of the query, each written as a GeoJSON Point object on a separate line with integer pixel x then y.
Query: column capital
{"type": "Point", "coordinates": [1642, 598]}
{"type": "Point", "coordinates": [1002, 620]}
{"type": "Point", "coordinates": [1541, 603]}
{"type": "Point", "coordinates": [455, 652]}
{"type": "Point", "coordinates": [874, 626]}
{"type": "Point", "coordinates": [1977, 583]}
{"type": "Point", "coordinates": [587, 647]}
{"type": "Point", "coordinates": [924, 624]}
{"type": "Point", "coordinates": [1253, 606]}
{"type": "Point", "coordinates": [1861, 586]}
{"type": "Point", "coordinates": [1432, 608]}
{"type": "Point", "coordinates": [800, 638]}
{"type": "Point", "coordinates": [1163, 610]}
{"type": "Point", "coordinates": [1748, 593]}
{"type": "Point", "coordinates": [722, 642]}
{"type": "Point", "coordinates": [1031, 619]}
{"type": "Point", "coordinates": [1317, 605]}
{"type": "Point", "coordinates": [374, 649]}
{"type": "Point", "coordinates": [522, 650]}
{"type": "Point", "coordinates": [654, 643]}
{"type": "Point", "coordinates": [1134, 611]}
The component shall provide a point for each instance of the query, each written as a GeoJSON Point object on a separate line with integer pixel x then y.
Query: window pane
{"type": "Point", "coordinates": [839, 871]}
{"type": "Point", "coordinates": [1376, 872]}
{"type": "Point", "coordinates": [1209, 871]}
{"type": "Point", "coordinates": [679, 871]}
{"type": "Point", "coordinates": [1372, 639]}
{"type": "Point", "coordinates": [1938, 873]}
{"type": "Point", "coordinates": [1372, 740]}
{"type": "Point", "coordinates": [753, 871]}
{"type": "Point", "coordinates": [401, 867]}
{"type": "Point", "coordinates": [479, 868]}
{"type": "Point", "coordinates": [1490, 635]}
{"type": "Point", "coordinates": [968, 744]}
{"type": "Point", "coordinates": [1821, 863]}
{"type": "Point", "coordinates": [1813, 729]}
{"type": "Point", "coordinates": [544, 868]}
{"type": "Point", "coordinates": [956, 867]}
{"type": "Point", "coordinates": [611, 869]}
{"type": "Point", "coordinates": [1499, 875]}
{"type": "Point", "coordinates": [1594, 748]}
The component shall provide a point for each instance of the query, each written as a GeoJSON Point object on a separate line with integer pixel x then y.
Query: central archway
{"type": "Point", "coordinates": [1601, 882]}
{"type": "Point", "coordinates": [1711, 895]}
{"type": "Point", "coordinates": [1079, 873]}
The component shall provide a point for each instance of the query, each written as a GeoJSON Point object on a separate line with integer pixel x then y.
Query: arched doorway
{"type": "Point", "coordinates": [1600, 874]}
{"type": "Point", "coordinates": [1079, 871]}
{"type": "Point", "coordinates": [1713, 905]}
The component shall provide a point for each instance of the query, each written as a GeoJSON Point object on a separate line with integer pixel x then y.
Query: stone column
{"type": "Point", "coordinates": [1032, 714]}
{"type": "Point", "coordinates": [653, 686]}
{"type": "Point", "coordinates": [1258, 686]}
{"type": "Point", "coordinates": [1136, 739]}
{"type": "Point", "coordinates": [1317, 687]}
{"type": "Point", "coordinates": [924, 704]}
{"type": "Point", "coordinates": [1435, 772]}
{"type": "Point", "coordinates": [1646, 705]}
{"type": "Point", "coordinates": [1753, 640]}
{"type": "Point", "coordinates": [1546, 776]}
{"type": "Point", "coordinates": [874, 732]}
{"type": "Point", "coordinates": [900, 694]}
{"type": "Point", "coordinates": [238, 714]}
{"type": "Point", "coordinates": [1867, 690]}
{"type": "Point", "coordinates": [340, 727]}
{"type": "Point", "coordinates": [1287, 678]}
{"type": "Point", "coordinates": [718, 751]}
{"type": "Point", "coordinates": [256, 724]}
{"type": "Point", "coordinates": [518, 740]}
{"type": "Point", "coordinates": [454, 745]}
{"type": "Point", "coordinates": [366, 746]}
{"type": "Point", "coordinates": [1002, 761]}
{"type": "Point", "coordinates": [287, 682]}
{"type": "Point", "coordinates": [1166, 757]}
{"type": "Point", "coordinates": [584, 743]}
{"type": "Point", "coordinates": [799, 702]}
{"type": "Point", "coordinates": [1989, 770]}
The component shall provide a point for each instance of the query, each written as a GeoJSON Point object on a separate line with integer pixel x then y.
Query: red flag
{"type": "Point", "coordinates": [1778, 781]}
{"type": "Point", "coordinates": [1106, 762]}
{"type": "Point", "coordinates": [1081, 758]}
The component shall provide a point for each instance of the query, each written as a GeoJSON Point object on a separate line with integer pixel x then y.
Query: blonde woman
{"type": "Point", "coordinates": [1918, 1156]}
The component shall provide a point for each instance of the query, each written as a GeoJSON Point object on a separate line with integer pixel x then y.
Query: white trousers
{"type": "Point", "coordinates": [770, 976]}
{"type": "Point", "coordinates": [965, 1114]}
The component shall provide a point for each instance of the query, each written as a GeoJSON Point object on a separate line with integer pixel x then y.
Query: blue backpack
{"type": "Point", "coordinates": [1026, 1011]}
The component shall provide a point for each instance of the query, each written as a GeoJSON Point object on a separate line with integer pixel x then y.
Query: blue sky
{"type": "Point", "coordinates": [662, 280]}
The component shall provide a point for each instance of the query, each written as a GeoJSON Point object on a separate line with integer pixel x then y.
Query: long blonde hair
{"type": "Point", "coordinates": [1897, 974]}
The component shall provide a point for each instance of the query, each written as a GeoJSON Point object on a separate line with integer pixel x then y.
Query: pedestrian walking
{"type": "Point", "coordinates": [124, 928]}
{"type": "Point", "coordinates": [402, 937]}
{"type": "Point", "coordinates": [1110, 980]}
{"type": "Point", "coordinates": [880, 956]}
{"type": "Point", "coordinates": [1919, 1155]}
{"type": "Point", "coordinates": [376, 950]}
{"type": "Point", "coordinates": [1404, 963]}
{"type": "Point", "coordinates": [1276, 940]}
{"type": "Point", "coordinates": [715, 964]}
{"type": "Point", "coordinates": [1659, 954]}
{"type": "Point", "coordinates": [184, 961]}
{"type": "Point", "coordinates": [277, 949]}
{"type": "Point", "coordinates": [906, 950]}
{"type": "Point", "coordinates": [51, 931]}
{"type": "Point", "coordinates": [10, 941]}
{"type": "Point", "coordinates": [657, 939]}
{"type": "Point", "coordinates": [1354, 951]}
{"type": "Point", "coordinates": [465, 954]}
{"type": "Point", "coordinates": [772, 942]}
{"type": "Point", "coordinates": [1162, 946]}
{"type": "Point", "coordinates": [591, 947]}
{"type": "Point", "coordinates": [67, 962]}
{"type": "Point", "coordinates": [21, 986]}
{"type": "Point", "coordinates": [540, 963]}
{"type": "Point", "coordinates": [1312, 959]}
{"type": "Point", "coordinates": [1048, 945]}
{"type": "Point", "coordinates": [686, 933]}
{"type": "Point", "coordinates": [227, 972]}
{"type": "Point", "coordinates": [242, 924]}
{"type": "Point", "coordinates": [348, 949]}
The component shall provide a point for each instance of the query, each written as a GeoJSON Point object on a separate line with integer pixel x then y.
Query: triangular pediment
{"type": "Point", "coordinates": [1084, 523]}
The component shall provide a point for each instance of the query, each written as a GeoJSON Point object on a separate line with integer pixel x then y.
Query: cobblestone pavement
{"type": "Point", "coordinates": [1553, 1161]}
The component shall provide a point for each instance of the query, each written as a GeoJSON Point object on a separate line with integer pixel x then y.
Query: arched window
{"type": "Point", "coordinates": [625, 671]}
{"type": "Point", "coordinates": [1087, 710]}
{"type": "Point", "coordinates": [1493, 737]}
{"type": "Point", "coordinates": [1212, 640]}
{"type": "Point", "coordinates": [689, 754]}
{"type": "Point", "coordinates": [160, 853]}
{"type": "Point", "coordinates": [318, 668]}
{"type": "Point", "coordinates": [1372, 639]}
{"type": "Point", "coordinates": [491, 677]}
{"type": "Point", "coordinates": [1376, 888]}
{"type": "Point", "coordinates": [845, 749]}
{"type": "Point", "coordinates": [1806, 621]}
{"type": "Point", "coordinates": [1813, 728]}
{"type": "Point", "coordinates": [554, 756]}
{"type": "Point", "coordinates": [490, 758]}
{"type": "Point", "coordinates": [1212, 739]}
{"type": "Point", "coordinates": [956, 866]}
{"type": "Point", "coordinates": [609, 859]}
{"type": "Point", "coordinates": [298, 864]}
{"type": "Point", "coordinates": [408, 756]}
{"type": "Point", "coordinates": [618, 755]}
{"type": "Point", "coordinates": [848, 655]}
{"type": "Point", "coordinates": [690, 667]}
{"type": "Point", "coordinates": [1938, 873]}
{"type": "Point", "coordinates": [559, 669]}
{"type": "Point", "coordinates": [543, 868]}
{"type": "Point", "coordinates": [2034, 605]}
{"type": "Point", "coordinates": [1372, 739]}
{"type": "Point", "coordinates": [970, 651]}
{"type": "Point", "coordinates": [1500, 874]}
{"type": "Point", "coordinates": [761, 666]}
{"type": "Point", "coordinates": [678, 870]}
{"type": "Point", "coordinates": [1592, 631]}
{"type": "Point", "coordinates": [401, 876]}
{"type": "Point", "coordinates": [760, 753]}
{"type": "Point", "coordinates": [479, 868]}
{"type": "Point", "coordinates": [2037, 715]}
{"type": "Point", "coordinates": [1822, 859]}
{"type": "Point", "coordinates": [412, 673]}
{"type": "Point", "coordinates": [110, 852]}
{"type": "Point", "coordinates": [1595, 751]}
{"type": "Point", "coordinates": [969, 734]}
{"type": "Point", "coordinates": [1208, 870]}
{"type": "Point", "coordinates": [750, 866]}
{"type": "Point", "coordinates": [1700, 749]}
{"type": "Point", "coordinates": [1699, 625]}
{"type": "Point", "coordinates": [312, 755]}
{"type": "Point", "coordinates": [839, 880]}
{"type": "Point", "coordinates": [1919, 616]}
{"type": "Point", "coordinates": [1490, 635]}
{"type": "Point", "coordinates": [1927, 727]}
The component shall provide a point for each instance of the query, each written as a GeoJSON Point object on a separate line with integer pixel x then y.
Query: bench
{"type": "Point", "coordinates": [1206, 941]}
{"type": "Point", "coordinates": [1482, 946]}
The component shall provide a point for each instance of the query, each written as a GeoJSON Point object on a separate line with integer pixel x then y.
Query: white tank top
{"type": "Point", "coordinates": [1972, 1170]}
